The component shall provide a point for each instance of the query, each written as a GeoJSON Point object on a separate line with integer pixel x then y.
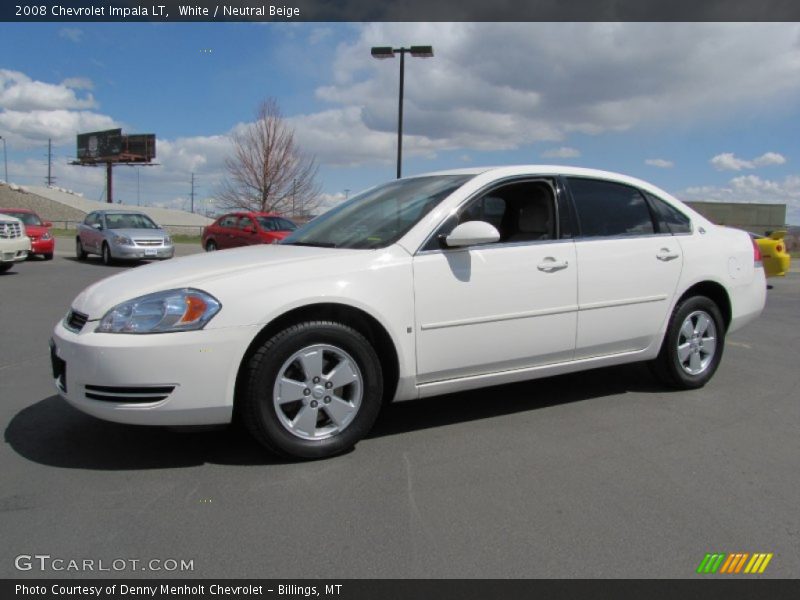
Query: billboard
{"type": "Point", "coordinates": [99, 144]}
{"type": "Point", "coordinates": [112, 146]}
{"type": "Point", "coordinates": [141, 146]}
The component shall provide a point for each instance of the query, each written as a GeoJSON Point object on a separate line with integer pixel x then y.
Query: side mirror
{"type": "Point", "coordinates": [249, 229]}
{"type": "Point", "coordinates": [472, 233]}
{"type": "Point", "coordinates": [97, 226]}
{"type": "Point", "coordinates": [47, 224]}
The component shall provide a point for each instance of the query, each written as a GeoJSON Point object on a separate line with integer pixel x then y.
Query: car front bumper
{"type": "Point", "coordinates": [185, 378]}
{"type": "Point", "coordinates": [142, 252]}
{"type": "Point", "coordinates": [15, 249]}
{"type": "Point", "coordinates": [41, 246]}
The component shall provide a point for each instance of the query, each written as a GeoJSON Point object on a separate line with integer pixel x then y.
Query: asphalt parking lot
{"type": "Point", "coordinates": [602, 474]}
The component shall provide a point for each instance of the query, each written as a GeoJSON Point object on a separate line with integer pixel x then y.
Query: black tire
{"type": "Point", "coordinates": [673, 370]}
{"type": "Point", "coordinates": [80, 253]}
{"type": "Point", "coordinates": [258, 404]}
{"type": "Point", "coordinates": [48, 256]}
{"type": "Point", "coordinates": [108, 260]}
{"type": "Point", "coordinates": [211, 245]}
{"type": "Point", "coordinates": [5, 266]}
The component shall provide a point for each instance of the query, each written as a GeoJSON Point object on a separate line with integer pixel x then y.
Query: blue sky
{"type": "Point", "coordinates": [706, 111]}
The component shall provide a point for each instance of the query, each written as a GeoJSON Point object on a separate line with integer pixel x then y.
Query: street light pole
{"type": "Point", "coordinates": [382, 52]}
{"type": "Point", "coordinates": [5, 157]}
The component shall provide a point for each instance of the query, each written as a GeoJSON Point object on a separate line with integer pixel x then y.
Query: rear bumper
{"type": "Point", "coordinates": [748, 301]}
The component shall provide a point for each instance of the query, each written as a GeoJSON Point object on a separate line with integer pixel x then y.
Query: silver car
{"type": "Point", "coordinates": [122, 235]}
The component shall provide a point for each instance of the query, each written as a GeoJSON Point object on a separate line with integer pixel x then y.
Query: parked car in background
{"type": "Point", "coordinates": [14, 243]}
{"type": "Point", "coordinates": [122, 235]}
{"type": "Point", "coordinates": [42, 241]}
{"type": "Point", "coordinates": [422, 286]}
{"type": "Point", "coordinates": [246, 229]}
{"type": "Point", "coordinates": [774, 255]}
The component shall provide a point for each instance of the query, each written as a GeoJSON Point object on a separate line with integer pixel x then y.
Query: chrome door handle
{"type": "Point", "coordinates": [550, 265]}
{"type": "Point", "coordinates": [666, 254]}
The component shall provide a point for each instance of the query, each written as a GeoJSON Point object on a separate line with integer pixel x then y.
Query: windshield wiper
{"type": "Point", "coordinates": [313, 244]}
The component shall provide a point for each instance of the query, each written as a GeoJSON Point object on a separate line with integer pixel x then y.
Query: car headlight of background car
{"type": "Point", "coordinates": [161, 312]}
{"type": "Point", "coordinates": [46, 236]}
{"type": "Point", "coordinates": [122, 240]}
{"type": "Point", "coordinates": [167, 240]}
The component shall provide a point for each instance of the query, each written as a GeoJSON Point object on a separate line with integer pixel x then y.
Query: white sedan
{"type": "Point", "coordinates": [422, 286]}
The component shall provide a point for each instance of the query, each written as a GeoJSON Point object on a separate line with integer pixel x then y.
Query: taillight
{"type": "Point", "coordinates": [778, 248]}
{"type": "Point", "coordinates": [756, 254]}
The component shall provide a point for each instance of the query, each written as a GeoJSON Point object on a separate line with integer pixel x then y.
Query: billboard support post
{"type": "Point", "coordinates": [109, 185]}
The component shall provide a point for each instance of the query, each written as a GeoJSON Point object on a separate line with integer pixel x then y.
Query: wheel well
{"type": "Point", "coordinates": [715, 292]}
{"type": "Point", "coordinates": [353, 317]}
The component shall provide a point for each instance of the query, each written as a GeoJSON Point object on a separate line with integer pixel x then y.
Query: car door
{"type": "Point", "coordinates": [225, 230]}
{"type": "Point", "coordinates": [91, 238]}
{"type": "Point", "coordinates": [501, 306]}
{"type": "Point", "coordinates": [628, 269]}
{"type": "Point", "coordinates": [246, 233]}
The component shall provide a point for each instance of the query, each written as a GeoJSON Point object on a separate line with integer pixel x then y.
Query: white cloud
{"type": "Point", "coordinates": [752, 188]}
{"type": "Point", "coordinates": [27, 129]}
{"type": "Point", "coordinates": [20, 92]}
{"type": "Point", "coordinates": [476, 95]}
{"type": "Point", "coordinates": [562, 152]}
{"type": "Point", "coordinates": [72, 34]}
{"type": "Point", "coordinates": [78, 83]}
{"type": "Point", "coordinates": [769, 158]}
{"type": "Point", "coordinates": [660, 163]}
{"type": "Point", "coordinates": [728, 162]}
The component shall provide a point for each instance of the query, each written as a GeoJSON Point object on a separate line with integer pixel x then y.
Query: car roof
{"type": "Point", "coordinates": [116, 211]}
{"type": "Point", "coordinates": [23, 210]}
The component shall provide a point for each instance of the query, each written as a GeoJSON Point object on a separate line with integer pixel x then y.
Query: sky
{"type": "Point", "coordinates": [707, 111]}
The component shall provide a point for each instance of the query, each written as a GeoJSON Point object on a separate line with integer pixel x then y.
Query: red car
{"type": "Point", "coordinates": [42, 241]}
{"type": "Point", "coordinates": [245, 229]}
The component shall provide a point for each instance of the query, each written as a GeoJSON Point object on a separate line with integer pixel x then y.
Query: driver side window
{"type": "Point", "coordinates": [521, 212]}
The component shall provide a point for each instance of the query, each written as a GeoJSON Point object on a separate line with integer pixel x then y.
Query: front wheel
{"type": "Point", "coordinates": [313, 390]}
{"type": "Point", "coordinates": [106, 255]}
{"type": "Point", "coordinates": [692, 348]}
{"type": "Point", "coordinates": [80, 253]}
{"type": "Point", "coordinates": [211, 246]}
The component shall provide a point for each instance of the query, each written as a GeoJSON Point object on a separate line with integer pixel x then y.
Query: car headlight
{"type": "Point", "coordinates": [167, 240]}
{"type": "Point", "coordinates": [46, 236]}
{"type": "Point", "coordinates": [161, 312]}
{"type": "Point", "coordinates": [122, 240]}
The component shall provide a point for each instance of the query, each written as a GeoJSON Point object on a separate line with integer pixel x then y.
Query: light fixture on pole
{"type": "Point", "coordinates": [5, 157]}
{"type": "Point", "coordinates": [382, 52]}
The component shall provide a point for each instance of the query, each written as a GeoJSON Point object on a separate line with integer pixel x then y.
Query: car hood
{"type": "Point", "coordinates": [200, 269]}
{"type": "Point", "coordinates": [138, 233]}
{"type": "Point", "coordinates": [36, 230]}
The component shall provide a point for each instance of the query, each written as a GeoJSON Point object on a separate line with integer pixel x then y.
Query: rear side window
{"type": "Point", "coordinates": [674, 220]}
{"type": "Point", "coordinates": [607, 208]}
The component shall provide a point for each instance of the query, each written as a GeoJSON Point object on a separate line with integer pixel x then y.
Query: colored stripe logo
{"type": "Point", "coordinates": [733, 564]}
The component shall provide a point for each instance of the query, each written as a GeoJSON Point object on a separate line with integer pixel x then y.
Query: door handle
{"type": "Point", "coordinates": [550, 265]}
{"type": "Point", "coordinates": [666, 254]}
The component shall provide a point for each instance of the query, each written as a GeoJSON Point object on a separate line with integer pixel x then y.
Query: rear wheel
{"type": "Point", "coordinates": [80, 253]}
{"type": "Point", "coordinates": [211, 246]}
{"type": "Point", "coordinates": [693, 346]}
{"type": "Point", "coordinates": [5, 266]}
{"type": "Point", "coordinates": [48, 256]}
{"type": "Point", "coordinates": [313, 390]}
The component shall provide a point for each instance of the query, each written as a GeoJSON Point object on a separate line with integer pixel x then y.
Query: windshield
{"type": "Point", "coordinates": [379, 216]}
{"type": "Point", "coordinates": [25, 217]}
{"type": "Point", "coordinates": [275, 224]}
{"type": "Point", "coordinates": [129, 221]}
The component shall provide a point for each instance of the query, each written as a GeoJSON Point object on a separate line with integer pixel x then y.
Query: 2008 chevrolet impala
{"type": "Point", "coordinates": [424, 285]}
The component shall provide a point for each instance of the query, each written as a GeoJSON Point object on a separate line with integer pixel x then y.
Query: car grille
{"type": "Point", "coordinates": [9, 230]}
{"type": "Point", "coordinates": [149, 242]}
{"type": "Point", "coordinates": [130, 394]}
{"type": "Point", "coordinates": [75, 321]}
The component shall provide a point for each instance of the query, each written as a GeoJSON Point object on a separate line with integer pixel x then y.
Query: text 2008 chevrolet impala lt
{"type": "Point", "coordinates": [425, 285]}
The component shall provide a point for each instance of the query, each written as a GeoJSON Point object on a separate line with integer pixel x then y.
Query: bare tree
{"type": "Point", "coordinates": [267, 171]}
